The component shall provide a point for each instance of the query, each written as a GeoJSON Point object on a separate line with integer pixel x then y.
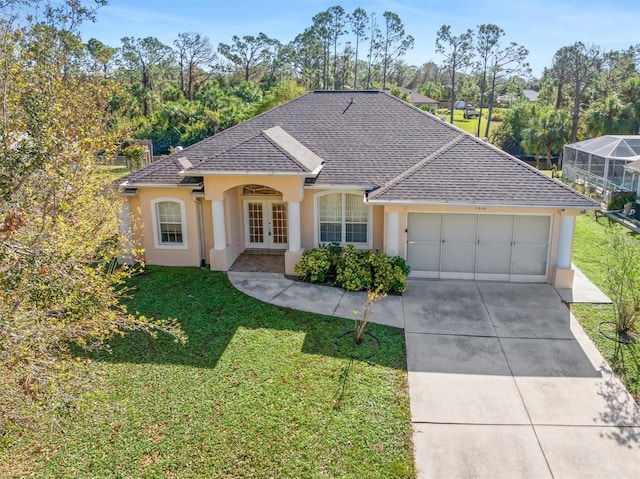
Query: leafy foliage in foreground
{"type": "Point", "coordinates": [58, 219]}
{"type": "Point", "coordinates": [258, 391]}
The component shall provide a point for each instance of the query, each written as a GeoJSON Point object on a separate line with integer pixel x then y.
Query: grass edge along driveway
{"type": "Point", "coordinates": [589, 254]}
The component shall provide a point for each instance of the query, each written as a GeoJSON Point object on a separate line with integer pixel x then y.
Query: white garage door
{"type": "Point", "coordinates": [470, 246]}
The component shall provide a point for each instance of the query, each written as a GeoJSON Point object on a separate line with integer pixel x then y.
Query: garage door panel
{"type": "Point", "coordinates": [424, 256]}
{"type": "Point", "coordinates": [460, 228]}
{"type": "Point", "coordinates": [494, 259]}
{"type": "Point", "coordinates": [458, 257]}
{"type": "Point", "coordinates": [484, 246]}
{"type": "Point", "coordinates": [529, 260]}
{"type": "Point", "coordinates": [532, 230]}
{"type": "Point", "coordinates": [424, 227]}
{"type": "Point", "coordinates": [495, 229]}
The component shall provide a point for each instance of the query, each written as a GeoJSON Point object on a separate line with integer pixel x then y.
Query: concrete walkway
{"type": "Point", "coordinates": [503, 381]}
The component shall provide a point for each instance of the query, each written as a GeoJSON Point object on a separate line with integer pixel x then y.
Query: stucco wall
{"type": "Point", "coordinates": [308, 221]}
{"type": "Point", "coordinates": [166, 256]}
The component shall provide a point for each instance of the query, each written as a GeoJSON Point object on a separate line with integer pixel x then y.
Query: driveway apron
{"type": "Point", "coordinates": [504, 383]}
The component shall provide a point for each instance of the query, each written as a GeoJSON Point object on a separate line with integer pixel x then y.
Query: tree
{"type": "Point", "coordinates": [395, 42]}
{"type": "Point", "coordinates": [358, 21]}
{"type": "Point", "coordinates": [487, 41]}
{"type": "Point", "coordinates": [580, 64]}
{"type": "Point", "coordinates": [375, 47]}
{"type": "Point", "coordinates": [246, 53]}
{"type": "Point", "coordinates": [147, 58]}
{"type": "Point", "coordinates": [322, 30]}
{"type": "Point", "coordinates": [102, 56]}
{"type": "Point", "coordinates": [505, 62]}
{"type": "Point", "coordinates": [458, 52]}
{"type": "Point", "coordinates": [58, 220]}
{"type": "Point", "coordinates": [336, 30]}
{"type": "Point", "coordinates": [196, 59]}
{"type": "Point", "coordinates": [432, 90]}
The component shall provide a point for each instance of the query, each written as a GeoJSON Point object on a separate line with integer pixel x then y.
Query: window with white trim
{"type": "Point", "coordinates": [170, 230]}
{"type": "Point", "coordinates": [343, 218]}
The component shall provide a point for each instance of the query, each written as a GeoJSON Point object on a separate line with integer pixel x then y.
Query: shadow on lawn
{"type": "Point", "coordinates": [210, 311]}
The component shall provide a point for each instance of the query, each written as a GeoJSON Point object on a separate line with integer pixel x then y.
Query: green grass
{"type": "Point", "coordinates": [588, 254]}
{"type": "Point", "coordinates": [116, 171]}
{"type": "Point", "coordinates": [471, 125]}
{"type": "Point", "coordinates": [258, 391]}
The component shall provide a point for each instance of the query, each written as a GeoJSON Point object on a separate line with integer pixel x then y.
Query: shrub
{"type": "Point", "coordinates": [619, 200]}
{"type": "Point", "coordinates": [354, 271]}
{"type": "Point", "coordinates": [622, 280]}
{"type": "Point", "coordinates": [318, 263]}
{"type": "Point", "coordinates": [389, 273]}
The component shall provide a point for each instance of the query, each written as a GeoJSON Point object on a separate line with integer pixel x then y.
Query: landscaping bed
{"type": "Point", "coordinates": [258, 391]}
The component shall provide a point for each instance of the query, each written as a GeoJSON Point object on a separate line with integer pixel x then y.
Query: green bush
{"type": "Point", "coordinates": [354, 270]}
{"type": "Point", "coordinates": [619, 200]}
{"type": "Point", "coordinates": [317, 264]}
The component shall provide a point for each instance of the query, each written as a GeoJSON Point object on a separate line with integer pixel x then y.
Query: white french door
{"type": "Point", "coordinates": [265, 224]}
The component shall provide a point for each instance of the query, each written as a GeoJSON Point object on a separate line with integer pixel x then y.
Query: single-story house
{"type": "Point", "coordinates": [362, 168]}
{"type": "Point", "coordinates": [418, 99]}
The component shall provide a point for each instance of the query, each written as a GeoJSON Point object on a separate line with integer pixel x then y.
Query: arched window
{"type": "Point", "coordinates": [169, 223]}
{"type": "Point", "coordinates": [343, 218]}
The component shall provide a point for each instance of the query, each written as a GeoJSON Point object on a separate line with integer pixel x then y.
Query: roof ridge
{"type": "Point", "coordinates": [293, 148]}
{"type": "Point", "coordinates": [412, 169]}
{"type": "Point", "coordinates": [280, 149]}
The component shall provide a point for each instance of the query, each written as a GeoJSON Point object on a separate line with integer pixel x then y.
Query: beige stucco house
{"type": "Point", "coordinates": [360, 168]}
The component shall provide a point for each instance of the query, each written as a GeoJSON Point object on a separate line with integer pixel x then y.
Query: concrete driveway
{"type": "Point", "coordinates": [503, 382]}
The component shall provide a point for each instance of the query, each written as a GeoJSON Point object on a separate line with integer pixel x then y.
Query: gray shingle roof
{"type": "Point", "coordinates": [369, 138]}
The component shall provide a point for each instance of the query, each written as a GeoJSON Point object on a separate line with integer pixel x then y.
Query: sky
{"type": "Point", "coordinates": [542, 26]}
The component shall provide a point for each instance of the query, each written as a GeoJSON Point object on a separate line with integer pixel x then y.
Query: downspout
{"type": "Point", "coordinates": [197, 199]}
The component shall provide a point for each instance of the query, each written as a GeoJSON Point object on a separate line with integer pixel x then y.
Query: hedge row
{"type": "Point", "coordinates": [353, 270]}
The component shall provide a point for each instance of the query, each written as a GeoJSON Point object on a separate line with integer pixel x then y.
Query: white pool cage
{"type": "Point", "coordinates": [598, 164]}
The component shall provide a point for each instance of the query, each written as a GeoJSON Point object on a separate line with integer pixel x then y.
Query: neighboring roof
{"type": "Point", "coordinates": [530, 95]}
{"type": "Point", "coordinates": [370, 139]}
{"type": "Point", "coordinates": [634, 166]}
{"type": "Point", "coordinates": [625, 147]}
{"type": "Point", "coordinates": [418, 99]}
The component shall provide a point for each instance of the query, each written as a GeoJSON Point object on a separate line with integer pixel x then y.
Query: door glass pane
{"type": "Point", "coordinates": [256, 223]}
{"type": "Point", "coordinates": [279, 223]}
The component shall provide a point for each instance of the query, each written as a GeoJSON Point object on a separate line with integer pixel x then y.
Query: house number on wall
{"type": "Point", "coordinates": [481, 208]}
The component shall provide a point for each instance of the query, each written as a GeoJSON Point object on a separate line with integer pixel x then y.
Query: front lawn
{"type": "Point", "coordinates": [588, 254]}
{"type": "Point", "coordinates": [258, 391]}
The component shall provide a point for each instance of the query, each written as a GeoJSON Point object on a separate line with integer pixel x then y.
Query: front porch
{"type": "Point", "coordinates": [259, 261]}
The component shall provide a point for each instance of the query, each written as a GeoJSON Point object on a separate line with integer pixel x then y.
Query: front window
{"type": "Point", "coordinates": [169, 223]}
{"type": "Point", "coordinates": [343, 218]}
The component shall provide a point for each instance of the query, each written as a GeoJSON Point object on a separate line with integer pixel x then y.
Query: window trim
{"type": "Point", "coordinates": [316, 214]}
{"type": "Point", "coordinates": [157, 238]}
